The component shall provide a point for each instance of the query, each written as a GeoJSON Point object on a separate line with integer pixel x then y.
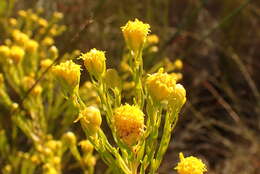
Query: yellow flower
{"type": "Point", "coordinates": [42, 22]}
{"type": "Point", "coordinates": [58, 15]}
{"type": "Point", "coordinates": [129, 123]}
{"type": "Point", "coordinates": [179, 95]}
{"type": "Point", "coordinates": [20, 37]}
{"type": "Point", "coordinates": [160, 85]}
{"type": "Point", "coordinates": [68, 71]}
{"type": "Point", "coordinates": [177, 76]}
{"type": "Point", "coordinates": [90, 119]}
{"type": "Point", "coordinates": [190, 165]}
{"type": "Point", "coordinates": [4, 51]}
{"type": "Point", "coordinates": [45, 63]}
{"type": "Point", "coordinates": [13, 22]}
{"type": "Point", "coordinates": [178, 64]}
{"type": "Point", "coordinates": [22, 13]}
{"type": "Point", "coordinates": [152, 39]}
{"type": "Point", "coordinates": [48, 41]}
{"type": "Point", "coordinates": [95, 62]}
{"type": "Point", "coordinates": [16, 54]}
{"type": "Point", "coordinates": [31, 46]}
{"type": "Point", "coordinates": [135, 34]}
{"type": "Point", "coordinates": [70, 138]}
{"type": "Point", "coordinates": [86, 146]}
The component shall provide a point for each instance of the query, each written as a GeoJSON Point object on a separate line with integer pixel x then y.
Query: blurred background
{"type": "Point", "coordinates": [219, 44]}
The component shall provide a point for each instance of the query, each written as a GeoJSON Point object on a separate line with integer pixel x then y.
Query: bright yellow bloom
{"type": "Point", "coordinates": [20, 37]}
{"type": "Point", "coordinates": [178, 64]}
{"type": "Point", "coordinates": [152, 39]}
{"type": "Point", "coordinates": [22, 13]}
{"type": "Point", "coordinates": [86, 146]}
{"type": "Point", "coordinates": [178, 96]}
{"type": "Point", "coordinates": [42, 22]}
{"type": "Point", "coordinates": [31, 46]}
{"type": "Point", "coordinates": [90, 119]}
{"type": "Point", "coordinates": [190, 165]}
{"type": "Point", "coordinates": [135, 34]}
{"type": "Point", "coordinates": [4, 51]}
{"type": "Point", "coordinates": [95, 62]}
{"type": "Point", "coordinates": [13, 21]}
{"type": "Point", "coordinates": [45, 63]}
{"type": "Point", "coordinates": [58, 15]}
{"type": "Point", "coordinates": [69, 71]}
{"type": "Point", "coordinates": [160, 85]}
{"type": "Point", "coordinates": [16, 54]}
{"type": "Point", "coordinates": [70, 138]}
{"type": "Point", "coordinates": [48, 41]}
{"type": "Point", "coordinates": [177, 76]}
{"type": "Point", "coordinates": [129, 123]}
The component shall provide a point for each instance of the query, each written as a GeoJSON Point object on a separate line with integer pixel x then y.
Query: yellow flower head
{"type": "Point", "coordinates": [95, 62]}
{"type": "Point", "coordinates": [178, 64]}
{"type": "Point", "coordinates": [68, 71]}
{"type": "Point", "coordinates": [160, 85]}
{"type": "Point", "coordinates": [13, 21]}
{"type": "Point", "coordinates": [20, 37]}
{"type": "Point", "coordinates": [42, 22]}
{"type": "Point", "coordinates": [86, 146]}
{"type": "Point", "coordinates": [90, 119]}
{"type": "Point", "coordinates": [129, 123]}
{"type": "Point", "coordinates": [152, 39]}
{"type": "Point", "coordinates": [190, 165]}
{"type": "Point", "coordinates": [135, 34]}
{"type": "Point", "coordinates": [16, 53]}
{"type": "Point", "coordinates": [48, 41]}
{"type": "Point", "coordinates": [22, 13]}
{"type": "Point", "coordinates": [4, 51]}
{"type": "Point", "coordinates": [45, 63]}
{"type": "Point", "coordinates": [178, 96]}
{"type": "Point", "coordinates": [177, 76]}
{"type": "Point", "coordinates": [31, 46]}
{"type": "Point", "coordinates": [69, 138]}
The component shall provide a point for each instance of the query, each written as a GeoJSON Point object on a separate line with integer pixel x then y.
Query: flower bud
{"type": "Point", "coordinates": [129, 123]}
{"type": "Point", "coordinates": [70, 138]}
{"type": "Point", "coordinates": [152, 39]}
{"type": "Point", "coordinates": [47, 41]}
{"type": "Point", "coordinates": [178, 64]}
{"type": "Point", "coordinates": [190, 165]}
{"type": "Point", "coordinates": [86, 146]}
{"type": "Point", "coordinates": [90, 119]}
{"type": "Point", "coordinates": [135, 34]}
{"type": "Point", "coordinates": [45, 63]}
{"type": "Point", "coordinates": [178, 96]}
{"type": "Point", "coordinates": [95, 62]}
{"type": "Point", "coordinates": [160, 85]}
